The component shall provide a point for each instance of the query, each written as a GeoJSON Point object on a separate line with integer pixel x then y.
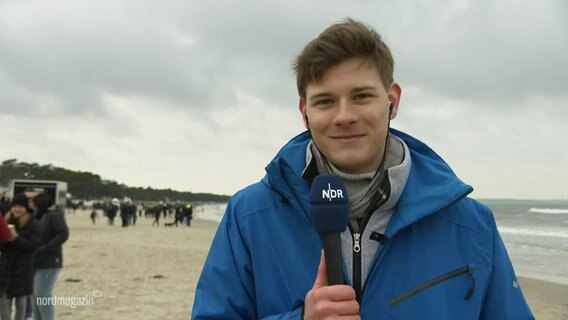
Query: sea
{"type": "Point", "coordinates": [535, 233]}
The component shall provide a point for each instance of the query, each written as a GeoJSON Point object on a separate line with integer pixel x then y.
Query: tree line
{"type": "Point", "coordinates": [87, 185]}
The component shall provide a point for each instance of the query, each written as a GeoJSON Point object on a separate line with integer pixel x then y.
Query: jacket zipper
{"type": "Point", "coordinates": [357, 230]}
{"type": "Point", "coordinates": [432, 282]}
{"type": "Point", "coordinates": [357, 265]}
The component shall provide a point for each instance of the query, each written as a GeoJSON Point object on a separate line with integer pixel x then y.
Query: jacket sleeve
{"type": "Point", "coordinates": [4, 231]}
{"type": "Point", "coordinates": [60, 230]}
{"type": "Point", "coordinates": [503, 297]}
{"type": "Point", "coordinates": [225, 289]}
{"type": "Point", "coordinates": [295, 314]}
{"type": "Point", "coordinates": [31, 243]}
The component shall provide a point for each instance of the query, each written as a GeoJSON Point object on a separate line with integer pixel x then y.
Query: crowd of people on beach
{"type": "Point", "coordinates": [32, 233]}
{"type": "Point", "coordinates": [129, 211]}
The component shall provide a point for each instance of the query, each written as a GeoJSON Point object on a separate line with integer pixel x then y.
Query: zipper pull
{"type": "Point", "coordinates": [470, 291]}
{"type": "Point", "coordinates": [356, 242]}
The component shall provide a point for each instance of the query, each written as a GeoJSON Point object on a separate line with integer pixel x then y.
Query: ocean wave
{"type": "Point", "coordinates": [212, 212]}
{"type": "Point", "coordinates": [548, 211]}
{"type": "Point", "coordinates": [556, 233]}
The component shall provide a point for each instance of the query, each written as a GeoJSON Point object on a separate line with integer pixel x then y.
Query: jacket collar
{"type": "Point", "coordinates": [284, 172]}
{"type": "Point", "coordinates": [431, 185]}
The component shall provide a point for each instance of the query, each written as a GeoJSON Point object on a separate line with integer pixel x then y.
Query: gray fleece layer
{"type": "Point", "coordinates": [398, 176]}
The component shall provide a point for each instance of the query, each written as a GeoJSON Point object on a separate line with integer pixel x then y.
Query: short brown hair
{"type": "Point", "coordinates": [42, 201]}
{"type": "Point", "coordinates": [339, 42]}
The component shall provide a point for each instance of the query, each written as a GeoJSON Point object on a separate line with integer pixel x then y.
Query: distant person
{"type": "Point", "coordinates": [178, 215]}
{"type": "Point", "coordinates": [187, 214]}
{"type": "Point", "coordinates": [124, 214]}
{"type": "Point", "coordinates": [165, 210]}
{"type": "Point", "coordinates": [148, 211]}
{"type": "Point", "coordinates": [128, 213]}
{"type": "Point", "coordinates": [94, 216]}
{"type": "Point", "coordinates": [48, 259]}
{"type": "Point", "coordinates": [30, 193]}
{"type": "Point", "coordinates": [140, 208]}
{"type": "Point", "coordinates": [111, 211]}
{"type": "Point", "coordinates": [157, 210]}
{"type": "Point", "coordinates": [16, 259]}
{"type": "Point", "coordinates": [70, 206]}
{"type": "Point", "coordinates": [416, 247]}
{"type": "Point", "coordinates": [133, 214]}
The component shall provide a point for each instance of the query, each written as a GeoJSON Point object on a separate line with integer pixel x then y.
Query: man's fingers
{"type": "Point", "coordinates": [342, 308]}
{"type": "Point", "coordinates": [321, 278]}
{"type": "Point", "coordinates": [335, 293]}
{"type": "Point", "coordinates": [324, 301]}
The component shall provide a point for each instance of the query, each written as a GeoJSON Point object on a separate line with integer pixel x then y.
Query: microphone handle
{"type": "Point", "coordinates": [333, 258]}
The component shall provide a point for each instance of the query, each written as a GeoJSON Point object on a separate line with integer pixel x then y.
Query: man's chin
{"type": "Point", "coordinates": [347, 165]}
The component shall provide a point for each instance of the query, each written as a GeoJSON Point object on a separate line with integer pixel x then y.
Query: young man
{"type": "Point", "coordinates": [416, 246]}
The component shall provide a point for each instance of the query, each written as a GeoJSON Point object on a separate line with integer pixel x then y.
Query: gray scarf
{"type": "Point", "coordinates": [377, 189]}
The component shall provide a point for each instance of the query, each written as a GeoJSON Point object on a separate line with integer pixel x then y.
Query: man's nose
{"type": "Point", "coordinates": [345, 114]}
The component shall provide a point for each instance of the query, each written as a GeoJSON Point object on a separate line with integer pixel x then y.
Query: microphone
{"type": "Point", "coordinates": [329, 211]}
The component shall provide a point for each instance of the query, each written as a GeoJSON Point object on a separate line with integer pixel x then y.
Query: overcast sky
{"type": "Point", "coordinates": [200, 95]}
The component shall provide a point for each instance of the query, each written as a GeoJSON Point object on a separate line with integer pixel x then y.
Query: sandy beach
{"type": "Point", "coordinates": [145, 272]}
{"type": "Point", "coordinates": [140, 272]}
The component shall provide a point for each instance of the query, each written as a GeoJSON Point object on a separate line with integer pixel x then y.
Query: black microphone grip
{"type": "Point", "coordinates": [333, 258]}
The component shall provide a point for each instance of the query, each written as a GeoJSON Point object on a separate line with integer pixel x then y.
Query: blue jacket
{"type": "Point", "coordinates": [445, 258]}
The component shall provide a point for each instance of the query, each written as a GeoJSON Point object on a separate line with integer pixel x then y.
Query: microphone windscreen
{"type": "Point", "coordinates": [329, 204]}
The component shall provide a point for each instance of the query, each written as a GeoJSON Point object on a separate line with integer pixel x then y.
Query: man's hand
{"type": "Point", "coordinates": [330, 302]}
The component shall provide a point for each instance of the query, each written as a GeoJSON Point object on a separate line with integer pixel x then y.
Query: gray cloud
{"type": "Point", "coordinates": [192, 53]}
{"type": "Point", "coordinates": [180, 84]}
{"type": "Point", "coordinates": [497, 53]}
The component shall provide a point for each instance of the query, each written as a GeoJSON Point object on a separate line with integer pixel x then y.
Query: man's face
{"type": "Point", "coordinates": [347, 112]}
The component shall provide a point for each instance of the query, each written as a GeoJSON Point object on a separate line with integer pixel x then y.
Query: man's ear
{"type": "Point", "coordinates": [302, 108]}
{"type": "Point", "coordinates": [394, 94]}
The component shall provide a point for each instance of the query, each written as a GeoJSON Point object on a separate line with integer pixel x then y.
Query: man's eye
{"type": "Point", "coordinates": [363, 96]}
{"type": "Point", "coordinates": [324, 102]}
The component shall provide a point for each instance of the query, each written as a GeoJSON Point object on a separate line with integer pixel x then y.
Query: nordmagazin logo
{"type": "Point", "coordinates": [73, 302]}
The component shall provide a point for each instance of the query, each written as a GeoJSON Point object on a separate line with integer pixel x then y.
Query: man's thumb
{"type": "Point", "coordinates": [321, 278]}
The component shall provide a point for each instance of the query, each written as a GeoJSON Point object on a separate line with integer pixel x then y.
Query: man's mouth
{"type": "Point", "coordinates": [347, 137]}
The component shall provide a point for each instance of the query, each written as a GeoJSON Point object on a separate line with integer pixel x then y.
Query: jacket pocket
{"type": "Point", "coordinates": [432, 282]}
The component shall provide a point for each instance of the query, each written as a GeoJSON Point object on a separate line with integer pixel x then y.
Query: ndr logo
{"type": "Point", "coordinates": [331, 193]}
